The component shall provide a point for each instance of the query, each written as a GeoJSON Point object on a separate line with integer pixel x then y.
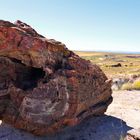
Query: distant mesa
{"type": "Point", "coordinates": [117, 65]}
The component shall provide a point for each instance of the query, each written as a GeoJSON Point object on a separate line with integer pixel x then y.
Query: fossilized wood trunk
{"type": "Point", "coordinates": [44, 87]}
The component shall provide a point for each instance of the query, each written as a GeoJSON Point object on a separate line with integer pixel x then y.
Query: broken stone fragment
{"type": "Point", "coordinates": [133, 134]}
{"type": "Point", "coordinates": [44, 87]}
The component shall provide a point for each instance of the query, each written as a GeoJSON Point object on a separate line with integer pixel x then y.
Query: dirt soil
{"type": "Point", "coordinates": [122, 115]}
{"type": "Point", "coordinates": [126, 106]}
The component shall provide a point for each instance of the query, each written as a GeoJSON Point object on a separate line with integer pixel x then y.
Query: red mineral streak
{"type": "Point", "coordinates": [44, 87]}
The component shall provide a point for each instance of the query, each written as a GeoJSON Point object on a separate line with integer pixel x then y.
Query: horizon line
{"type": "Point", "coordinates": [109, 51]}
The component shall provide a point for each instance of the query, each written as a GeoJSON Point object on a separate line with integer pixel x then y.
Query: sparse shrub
{"type": "Point", "coordinates": [127, 86]}
{"type": "Point", "coordinates": [131, 86]}
{"type": "Point", "coordinates": [136, 85]}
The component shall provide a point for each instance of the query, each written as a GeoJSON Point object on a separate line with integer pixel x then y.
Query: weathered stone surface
{"type": "Point", "coordinates": [44, 87]}
{"type": "Point", "coordinates": [133, 134]}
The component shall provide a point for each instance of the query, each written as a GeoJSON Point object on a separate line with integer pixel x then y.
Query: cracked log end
{"type": "Point", "coordinates": [44, 87]}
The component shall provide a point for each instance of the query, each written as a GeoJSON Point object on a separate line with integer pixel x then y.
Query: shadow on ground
{"type": "Point", "coordinates": [96, 128]}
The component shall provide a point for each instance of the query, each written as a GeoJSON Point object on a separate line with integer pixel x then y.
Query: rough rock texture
{"type": "Point", "coordinates": [44, 87]}
{"type": "Point", "coordinates": [133, 134]}
{"type": "Point", "coordinates": [95, 128]}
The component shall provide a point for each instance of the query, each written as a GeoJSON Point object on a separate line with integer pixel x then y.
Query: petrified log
{"type": "Point", "coordinates": [44, 87]}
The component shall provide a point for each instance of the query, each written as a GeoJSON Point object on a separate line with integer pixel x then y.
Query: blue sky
{"type": "Point", "coordinates": [104, 25]}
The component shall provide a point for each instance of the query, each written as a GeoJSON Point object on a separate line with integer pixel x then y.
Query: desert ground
{"type": "Point", "coordinates": [129, 63]}
{"type": "Point", "coordinates": [121, 116]}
